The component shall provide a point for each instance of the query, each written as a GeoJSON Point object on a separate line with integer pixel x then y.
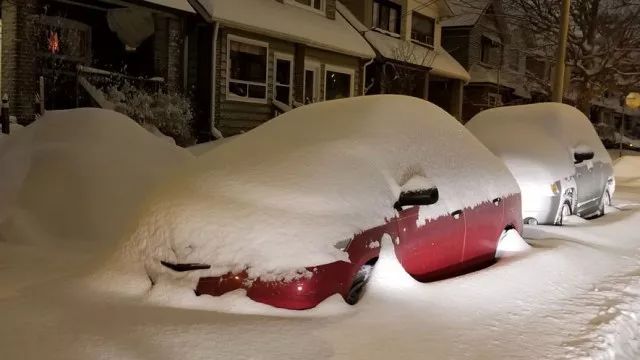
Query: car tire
{"type": "Point", "coordinates": [359, 284]}
{"type": "Point", "coordinates": [604, 202]}
{"type": "Point", "coordinates": [565, 211]}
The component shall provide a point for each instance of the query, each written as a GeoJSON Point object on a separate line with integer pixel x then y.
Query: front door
{"type": "Point", "coordinates": [585, 184]}
{"type": "Point", "coordinates": [485, 223]}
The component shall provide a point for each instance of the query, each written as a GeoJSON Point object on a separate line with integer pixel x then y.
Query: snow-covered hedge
{"type": "Point", "coordinates": [79, 175]}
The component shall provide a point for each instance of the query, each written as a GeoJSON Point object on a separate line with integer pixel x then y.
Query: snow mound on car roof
{"type": "Point", "coordinates": [79, 175]}
{"type": "Point", "coordinates": [278, 198]}
{"type": "Point", "coordinates": [537, 141]}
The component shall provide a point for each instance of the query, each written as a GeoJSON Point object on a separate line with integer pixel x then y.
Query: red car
{"type": "Point", "coordinates": [453, 199]}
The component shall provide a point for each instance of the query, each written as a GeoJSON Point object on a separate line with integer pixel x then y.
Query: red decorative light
{"type": "Point", "coordinates": [54, 42]}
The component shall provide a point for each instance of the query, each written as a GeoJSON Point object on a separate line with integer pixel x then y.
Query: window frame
{"type": "Point", "coordinates": [316, 68]}
{"type": "Point", "coordinates": [492, 45]}
{"type": "Point", "coordinates": [497, 99]}
{"type": "Point", "coordinates": [247, 99]}
{"type": "Point", "coordinates": [376, 16]}
{"type": "Point", "coordinates": [433, 36]}
{"type": "Point", "coordinates": [322, 10]}
{"type": "Point", "coordinates": [287, 57]}
{"type": "Point", "coordinates": [340, 70]}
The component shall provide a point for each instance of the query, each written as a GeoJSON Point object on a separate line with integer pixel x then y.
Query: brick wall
{"type": "Point", "coordinates": [18, 54]}
{"type": "Point", "coordinates": [168, 51]}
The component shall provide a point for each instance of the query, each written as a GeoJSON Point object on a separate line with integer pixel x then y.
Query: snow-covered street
{"type": "Point", "coordinates": [574, 294]}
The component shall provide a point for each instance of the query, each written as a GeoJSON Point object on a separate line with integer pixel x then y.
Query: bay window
{"type": "Point", "coordinates": [247, 69]}
{"type": "Point", "coordinates": [314, 4]}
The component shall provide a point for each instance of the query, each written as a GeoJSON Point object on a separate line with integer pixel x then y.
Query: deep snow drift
{"type": "Point", "coordinates": [278, 198]}
{"type": "Point", "coordinates": [79, 174]}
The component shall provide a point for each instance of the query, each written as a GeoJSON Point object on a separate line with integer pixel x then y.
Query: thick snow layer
{"type": "Point", "coordinates": [278, 198]}
{"type": "Point", "coordinates": [537, 141]}
{"type": "Point", "coordinates": [79, 174]}
{"type": "Point", "coordinates": [182, 5]}
{"type": "Point", "coordinates": [302, 25]}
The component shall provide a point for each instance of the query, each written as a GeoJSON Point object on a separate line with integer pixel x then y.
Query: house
{"type": "Point", "coordinates": [493, 52]}
{"type": "Point", "coordinates": [410, 60]}
{"type": "Point", "coordinates": [49, 46]}
{"type": "Point", "coordinates": [272, 55]}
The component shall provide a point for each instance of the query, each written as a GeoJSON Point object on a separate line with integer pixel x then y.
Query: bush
{"type": "Point", "coordinates": [172, 114]}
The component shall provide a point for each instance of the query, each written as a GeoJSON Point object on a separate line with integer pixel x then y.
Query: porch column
{"type": "Point", "coordinates": [456, 98]}
{"type": "Point", "coordinates": [298, 72]}
{"type": "Point", "coordinates": [19, 69]}
{"type": "Point", "coordinates": [168, 47]}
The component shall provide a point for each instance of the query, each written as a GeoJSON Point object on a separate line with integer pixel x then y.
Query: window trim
{"type": "Point", "coordinates": [497, 99]}
{"type": "Point", "coordinates": [341, 70]}
{"type": "Point", "coordinates": [433, 20]}
{"type": "Point", "coordinates": [314, 66]}
{"type": "Point", "coordinates": [375, 16]}
{"type": "Point", "coordinates": [288, 57]}
{"type": "Point", "coordinates": [322, 10]}
{"type": "Point", "coordinates": [233, 97]}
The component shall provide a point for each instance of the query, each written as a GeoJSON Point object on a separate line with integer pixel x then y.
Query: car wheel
{"type": "Point", "coordinates": [359, 284]}
{"type": "Point", "coordinates": [564, 212]}
{"type": "Point", "coordinates": [604, 202]}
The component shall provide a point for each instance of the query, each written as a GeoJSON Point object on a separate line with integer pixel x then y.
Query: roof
{"type": "Point", "coordinates": [288, 22]}
{"type": "Point", "coordinates": [440, 61]}
{"type": "Point", "coordinates": [182, 5]}
{"type": "Point", "coordinates": [467, 12]}
{"type": "Point", "coordinates": [508, 78]}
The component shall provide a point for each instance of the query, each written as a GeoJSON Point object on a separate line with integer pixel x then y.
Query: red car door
{"type": "Point", "coordinates": [427, 249]}
{"type": "Point", "coordinates": [485, 223]}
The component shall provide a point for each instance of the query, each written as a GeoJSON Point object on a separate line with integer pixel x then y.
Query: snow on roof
{"type": "Point", "coordinates": [537, 141]}
{"type": "Point", "coordinates": [467, 12]}
{"type": "Point", "coordinates": [182, 5]}
{"type": "Point", "coordinates": [278, 198]}
{"type": "Point", "coordinates": [508, 78]}
{"type": "Point", "coordinates": [290, 22]}
{"type": "Point", "coordinates": [389, 47]}
{"type": "Point", "coordinates": [79, 175]}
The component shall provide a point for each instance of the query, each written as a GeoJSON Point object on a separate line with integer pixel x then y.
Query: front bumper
{"type": "Point", "coordinates": [299, 294]}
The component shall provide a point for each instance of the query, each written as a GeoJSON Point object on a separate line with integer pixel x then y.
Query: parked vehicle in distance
{"type": "Point", "coordinates": [296, 210]}
{"type": "Point", "coordinates": [555, 154]}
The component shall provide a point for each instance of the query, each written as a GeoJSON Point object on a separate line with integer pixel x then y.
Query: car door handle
{"type": "Point", "coordinates": [457, 214]}
{"type": "Point", "coordinates": [497, 201]}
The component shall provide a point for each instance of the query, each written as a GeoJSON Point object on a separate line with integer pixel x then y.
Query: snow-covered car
{"type": "Point", "coordinates": [296, 210]}
{"type": "Point", "coordinates": [555, 154]}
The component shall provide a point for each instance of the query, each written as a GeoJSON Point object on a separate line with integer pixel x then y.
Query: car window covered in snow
{"type": "Point", "coordinates": [538, 141]}
{"type": "Point", "coordinates": [280, 196]}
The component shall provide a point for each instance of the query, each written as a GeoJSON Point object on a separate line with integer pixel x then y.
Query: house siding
{"type": "Point", "coordinates": [233, 116]}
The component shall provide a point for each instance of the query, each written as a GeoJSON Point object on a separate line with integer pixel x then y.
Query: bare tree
{"type": "Point", "coordinates": [604, 41]}
{"type": "Point", "coordinates": [406, 70]}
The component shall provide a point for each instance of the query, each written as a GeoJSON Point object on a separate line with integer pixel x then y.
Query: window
{"type": "Point", "coordinates": [386, 16]}
{"type": "Point", "coordinates": [283, 76]}
{"type": "Point", "coordinates": [338, 83]}
{"type": "Point", "coordinates": [247, 68]}
{"type": "Point", "coordinates": [314, 4]}
{"type": "Point", "coordinates": [422, 29]}
{"type": "Point", "coordinates": [490, 51]}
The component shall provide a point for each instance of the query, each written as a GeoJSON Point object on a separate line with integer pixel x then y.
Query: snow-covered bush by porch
{"type": "Point", "coordinates": [172, 113]}
{"type": "Point", "coordinates": [278, 198]}
{"type": "Point", "coordinates": [79, 175]}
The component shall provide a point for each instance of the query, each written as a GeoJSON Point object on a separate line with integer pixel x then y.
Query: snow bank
{"type": "Point", "coordinates": [280, 197]}
{"type": "Point", "coordinates": [627, 171]}
{"type": "Point", "coordinates": [79, 175]}
{"type": "Point", "coordinates": [203, 148]}
{"type": "Point", "coordinates": [537, 141]}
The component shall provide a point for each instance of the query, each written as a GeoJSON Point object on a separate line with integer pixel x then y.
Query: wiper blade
{"type": "Point", "coordinates": [185, 267]}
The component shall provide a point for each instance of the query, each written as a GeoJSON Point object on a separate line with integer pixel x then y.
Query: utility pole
{"type": "Point", "coordinates": [558, 81]}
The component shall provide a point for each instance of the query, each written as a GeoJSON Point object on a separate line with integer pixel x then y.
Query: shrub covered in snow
{"type": "Point", "coordinates": [172, 114]}
{"type": "Point", "coordinates": [79, 175]}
